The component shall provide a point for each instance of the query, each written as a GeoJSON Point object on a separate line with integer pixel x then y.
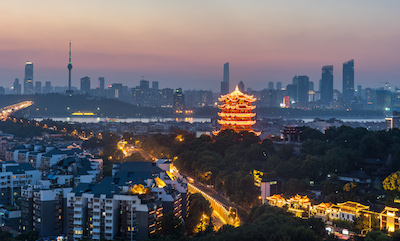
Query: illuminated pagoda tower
{"type": "Point", "coordinates": [236, 112]}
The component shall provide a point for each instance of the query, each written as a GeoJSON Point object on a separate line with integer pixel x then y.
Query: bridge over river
{"type": "Point", "coordinates": [8, 110]}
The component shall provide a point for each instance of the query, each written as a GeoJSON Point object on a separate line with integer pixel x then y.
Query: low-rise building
{"type": "Point", "coordinates": [71, 171]}
{"type": "Point", "coordinates": [347, 211]}
{"type": "Point", "coordinates": [10, 216]}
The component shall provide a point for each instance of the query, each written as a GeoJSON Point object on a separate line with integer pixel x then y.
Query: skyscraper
{"type": "Point", "coordinates": [154, 85]}
{"type": "Point", "coordinates": [144, 84]}
{"type": "Point", "coordinates": [326, 84]}
{"type": "Point", "coordinates": [271, 85]}
{"type": "Point", "coordinates": [17, 87]}
{"type": "Point", "coordinates": [225, 81]}
{"type": "Point", "coordinates": [85, 85]}
{"type": "Point", "coordinates": [311, 86]}
{"type": "Point", "coordinates": [348, 80]}
{"type": "Point", "coordinates": [241, 86]}
{"type": "Point", "coordinates": [101, 84]}
{"type": "Point", "coordinates": [47, 87]}
{"type": "Point", "coordinates": [278, 85]}
{"type": "Point", "coordinates": [28, 81]}
{"type": "Point", "coordinates": [179, 101]}
{"type": "Point", "coordinates": [302, 89]}
{"type": "Point", "coordinates": [38, 87]}
{"type": "Point", "coordinates": [69, 69]}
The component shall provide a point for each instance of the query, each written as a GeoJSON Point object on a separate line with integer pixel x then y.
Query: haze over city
{"type": "Point", "coordinates": [185, 43]}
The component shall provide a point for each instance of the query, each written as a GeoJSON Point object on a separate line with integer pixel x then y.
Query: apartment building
{"type": "Point", "coordinates": [104, 210]}
{"type": "Point", "coordinates": [13, 176]}
{"type": "Point", "coordinates": [44, 209]}
{"type": "Point", "coordinates": [71, 171]}
{"type": "Point", "coordinates": [41, 157]}
{"type": "Point", "coordinates": [167, 185]}
{"type": "Point", "coordinates": [10, 216]}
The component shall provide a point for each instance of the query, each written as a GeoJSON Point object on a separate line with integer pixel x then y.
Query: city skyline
{"type": "Point", "coordinates": [178, 45]}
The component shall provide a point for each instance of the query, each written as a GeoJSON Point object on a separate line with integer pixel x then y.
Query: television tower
{"type": "Point", "coordinates": [69, 68]}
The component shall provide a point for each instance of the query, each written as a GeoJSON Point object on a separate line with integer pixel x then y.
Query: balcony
{"type": "Point", "coordinates": [76, 222]}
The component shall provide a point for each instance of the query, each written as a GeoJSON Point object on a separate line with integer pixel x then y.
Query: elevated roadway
{"type": "Point", "coordinates": [8, 110]}
{"type": "Point", "coordinates": [223, 209]}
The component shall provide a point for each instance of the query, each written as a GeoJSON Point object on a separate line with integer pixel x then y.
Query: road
{"type": "Point", "coordinates": [218, 221]}
{"type": "Point", "coordinates": [8, 110]}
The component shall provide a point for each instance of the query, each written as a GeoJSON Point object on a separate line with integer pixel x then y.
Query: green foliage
{"type": "Point", "coordinates": [392, 183]}
{"type": "Point", "coordinates": [29, 235]}
{"type": "Point", "coordinates": [366, 223]}
{"type": "Point", "coordinates": [199, 210]}
{"type": "Point", "coordinates": [343, 223]}
{"type": "Point", "coordinates": [377, 236]}
{"type": "Point", "coordinates": [134, 157]}
{"type": "Point", "coordinates": [171, 225]}
{"type": "Point", "coordinates": [110, 153]}
{"type": "Point", "coordinates": [6, 236]}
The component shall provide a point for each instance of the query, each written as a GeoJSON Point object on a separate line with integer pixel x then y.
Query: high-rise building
{"type": "Point", "coordinates": [302, 89]}
{"type": "Point", "coordinates": [241, 86]}
{"type": "Point", "coordinates": [144, 84]}
{"type": "Point", "coordinates": [295, 80]}
{"type": "Point", "coordinates": [47, 87]}
{"type": "Point", "coordinates": [278, 85]}
{"type": "Point", "coordinates": [38, 87]}
{"type": "Point", "coordinates": [326, 84]}
{"type": "Point", "coordinates": [17, 87]}
{"type": "Point", "coordinates": [69, 68]}
{"type": "Point", "coordinates": [292, 92]}
{"type": "Point", "coordinates": [311, 85]}
{"type": "Point", "coordinates": [101, 84]}
{"type": "Point", "coordinates": [348, 80]}
{"type": "Point", "coordinates": [154, 85]}
{"type": "Point", "coordinates": [44, 209]}
{"type": "Point", "coordinates": [225, 82]}
{"type": "Point", "coordinates": [85, 85]}
{"type": "Point", "coordinates": [28, 80]}
{"type": "Point", "coordinates": [167, 97]}
{"type": "Point", "coordinates": [383, 100]}
{"type": "Point", "coordinates": [271, 85]}
{"type": "Point", "coordinates": [116, 90]}
{"type": "Point", "coordinates": [19, 175]}
{"type": "Point", "coordinates": [179, 101]}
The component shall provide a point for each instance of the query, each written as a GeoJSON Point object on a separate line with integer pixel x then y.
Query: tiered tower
{"type": "Point", "coordinates": [236, 112]}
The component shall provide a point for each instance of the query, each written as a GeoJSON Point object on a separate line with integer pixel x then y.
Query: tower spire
{"type": "Point", "coordinates": [69, 68]}
{"type": "Point", "coordinates": [70, 51]}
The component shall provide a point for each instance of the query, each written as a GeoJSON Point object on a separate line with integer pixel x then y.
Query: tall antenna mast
{"type": "Point", "coordinates": [69, 68]}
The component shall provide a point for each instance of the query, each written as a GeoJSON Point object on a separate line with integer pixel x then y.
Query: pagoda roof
{"type": "Point", "coordinates": [234, 114]}
{"type": "Point", "coordinates": [237, 107]}
{"type": "Point", "coordinates": [236, 122]}
{"type": "Point", "coordinates": [237, 95]}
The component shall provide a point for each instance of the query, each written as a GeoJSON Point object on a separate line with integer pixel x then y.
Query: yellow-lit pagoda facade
{"type": "Point", "coordinates": [236, 112]}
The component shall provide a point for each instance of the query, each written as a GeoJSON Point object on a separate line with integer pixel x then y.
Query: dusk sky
{"type": "Point", "coordinates": [185, 43]}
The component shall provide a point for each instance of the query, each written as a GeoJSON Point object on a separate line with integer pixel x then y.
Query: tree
{"type": "Point", "coordinates": [171, 225]}
{"type": "Point", "coordinates": [29, 235]}
{"type": "Point", "coordinates": [377, 236]}
{"type": "Point", "coordinates": [392, 183]}
{"type": "Point", "coordinates": [199, 213]}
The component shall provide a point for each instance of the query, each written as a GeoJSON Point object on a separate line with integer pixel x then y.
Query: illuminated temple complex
{"type": "Point", "coordinates": [236, 112]}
